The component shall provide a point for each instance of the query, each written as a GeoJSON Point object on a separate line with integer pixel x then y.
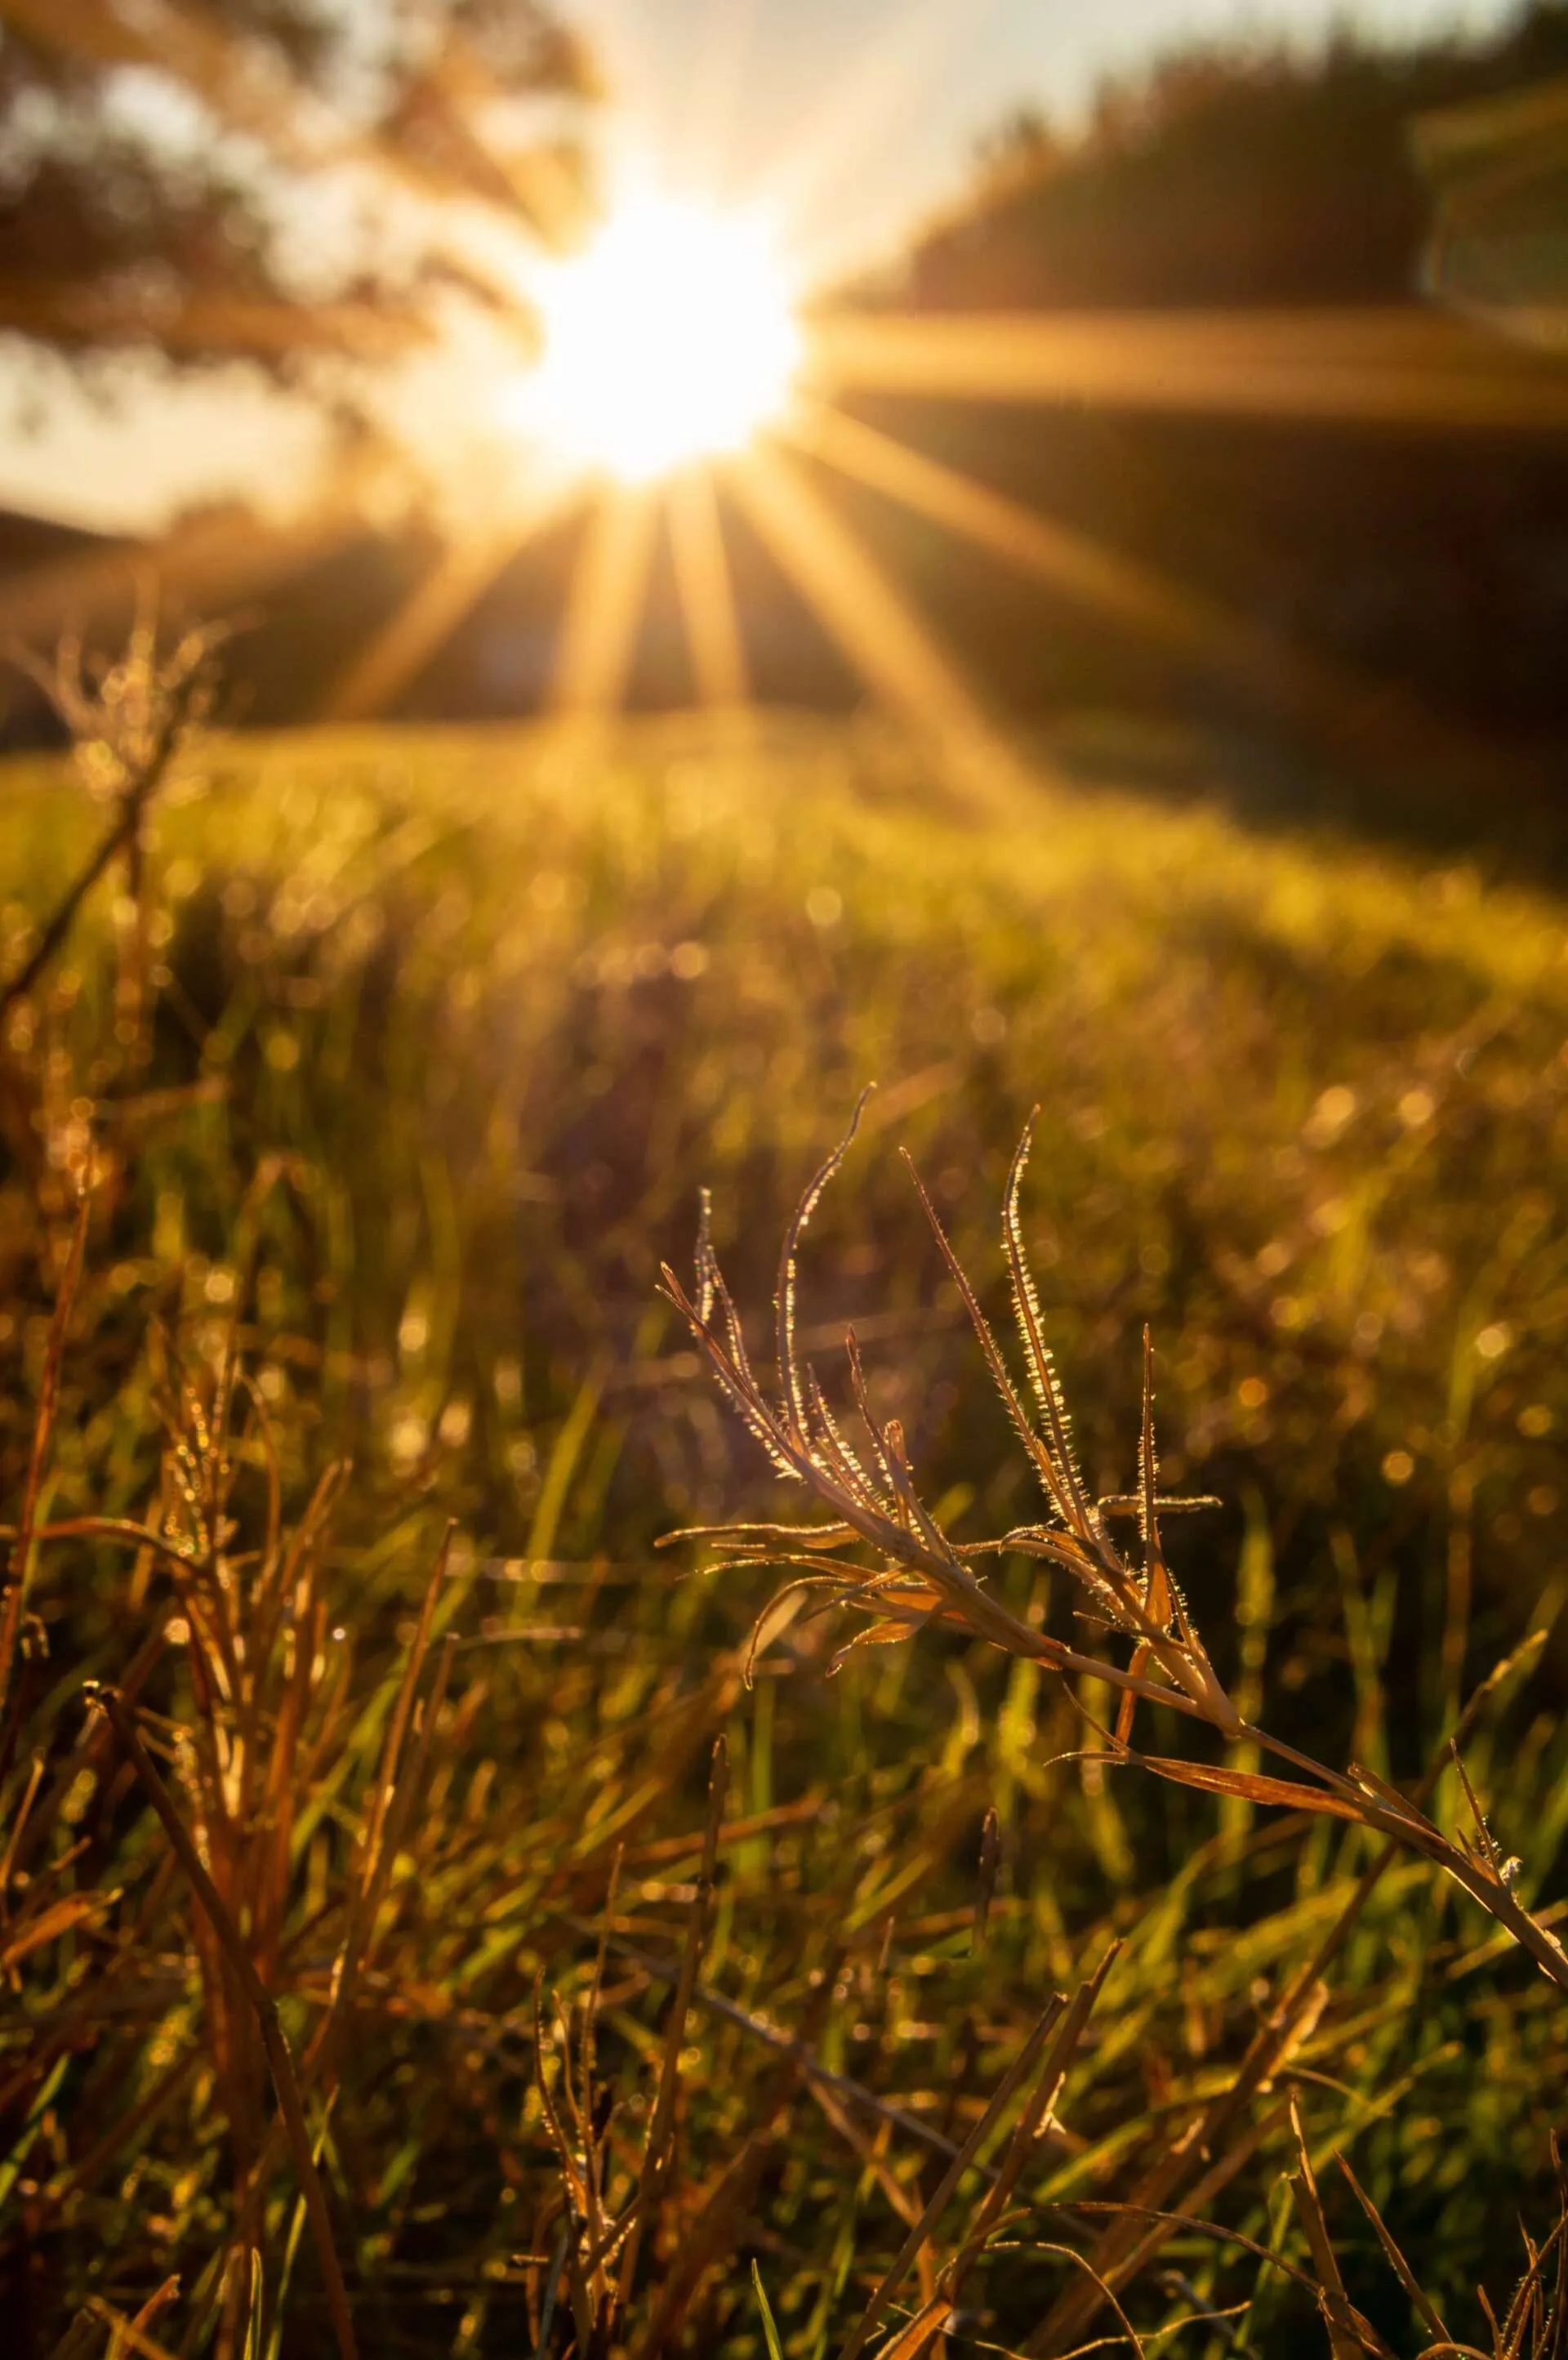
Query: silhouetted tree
{"type": "Point", "coordinates": [1231, 175]}
{"type": "Point", "coordinates": [270, 178]}
{"type": "Point", "coordinates": [1430, 568]}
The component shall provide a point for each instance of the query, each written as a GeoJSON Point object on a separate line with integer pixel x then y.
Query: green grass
{"type": "Point", "coordinates": [452, 1029]}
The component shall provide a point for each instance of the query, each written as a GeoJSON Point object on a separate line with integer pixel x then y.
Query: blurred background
{"type": "Point", "coordinates": [1241, 340]}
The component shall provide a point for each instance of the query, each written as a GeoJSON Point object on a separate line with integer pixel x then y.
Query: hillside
{"type": "Point", "coordinates": [451, 1027]}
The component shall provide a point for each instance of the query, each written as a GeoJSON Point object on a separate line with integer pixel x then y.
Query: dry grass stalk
{"type": "Point", "coordinates": [661, 2122]}
{"type": "Point", "coordinates": [1220, 2130]}
{"type": "Point", "coordinates": [946, 2188]}
{"type": "Point", "coordinates": [1348, 2333]}
{"type": "Point", "coordinates": [127, 726]}
{"type": "Point", "coordinates": [262, 2003]}
{"type": "Point", "coordinates": [22, 1540]}
{"type": "Point", "coordinates": [917, 1577]}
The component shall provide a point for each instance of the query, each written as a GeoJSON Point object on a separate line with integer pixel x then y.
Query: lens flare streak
{"type": "Point", "coordinates": [706, 592]}
{"type": "Point", "coordinates": [605, 604]}
{"type": "Point", "coordinates": [1406, 369]}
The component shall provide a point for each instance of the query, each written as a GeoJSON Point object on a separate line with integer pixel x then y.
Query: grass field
{"type": "Point", "coordinates": [448, 1031]}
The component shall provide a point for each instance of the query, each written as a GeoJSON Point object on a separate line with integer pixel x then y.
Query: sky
{"type": "Point", "coordinates": [905, 88]}
{"type": "Point", "coordinates": [858, 117]}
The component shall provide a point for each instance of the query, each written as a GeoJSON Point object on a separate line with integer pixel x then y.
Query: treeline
{"type": "Point", "coordinates": [1239, 175]}
{"type": "Point", "coordinates": [1428, 568]}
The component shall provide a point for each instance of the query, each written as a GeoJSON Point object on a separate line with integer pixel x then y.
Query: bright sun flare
{"type": "Point", "coordinates": [671, 337]}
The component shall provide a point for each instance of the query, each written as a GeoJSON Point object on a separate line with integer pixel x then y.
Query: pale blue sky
{"type": "Point", "coordinates": [860, 114]}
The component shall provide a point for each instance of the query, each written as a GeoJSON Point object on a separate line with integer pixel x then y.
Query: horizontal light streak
{"type": "Point", "coordinates": [1403, 367]}
{"type": "Point", "coordinates": [85, 313]}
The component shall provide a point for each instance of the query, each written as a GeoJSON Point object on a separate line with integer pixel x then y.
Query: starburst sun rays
{"type": "Point", "coordinates": [680, 386]}
{"type": "Point", "coordinates": [782, 425]}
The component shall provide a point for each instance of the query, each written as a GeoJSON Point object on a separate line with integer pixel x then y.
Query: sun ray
{"type": "Point", "coordinates": [1403, 367]}
{"type": "Point", "coordinates": [205, 565]}
{"type": "Point", "coordinates": [606, 602]}
{"type": "Point", "coordinates": [885, 640]}
{"type": "Point", "coordinates": [713, 102]}
{"type": "Point", "coordinates": [706, 591]}
{"type": "Point", "coordinates": [896, 54]}
{"type": "Point", "coordinates": [1213, 634]}
{"type": "Point", "coordinates": [434, 610]}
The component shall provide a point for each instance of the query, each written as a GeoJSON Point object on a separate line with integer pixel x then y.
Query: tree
{"type": "Point", "coordinates": [275, 178]}
{"type": "Point", "coordinates": [1242, 175]}
{"type": "Point", "coordinates": [1328, 205]}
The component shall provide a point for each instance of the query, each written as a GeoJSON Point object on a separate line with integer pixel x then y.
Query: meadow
{"type": "Point", "coordinates": [654, 1978]}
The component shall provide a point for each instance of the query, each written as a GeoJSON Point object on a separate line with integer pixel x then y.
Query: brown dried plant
{"type": "Point", "coordinates": [128, 720]}
{"type": "Point", "coordinates": [270, 1719]}
{"type": "Point", "coordinates": [883, 1553]}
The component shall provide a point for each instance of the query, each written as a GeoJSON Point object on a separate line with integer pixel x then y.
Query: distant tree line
{"type": "Point", "coordinates": [1432, 566]}
{"type": "Point", "coordinates": [1252, 174]}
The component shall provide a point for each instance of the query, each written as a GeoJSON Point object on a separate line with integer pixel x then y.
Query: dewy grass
{"type": "Point", "coordinates": [918, 1576]}
{"type": "Point", "coordinates": [884, 1553]}
{"type": "Point", "coordinates": [344, 1125]}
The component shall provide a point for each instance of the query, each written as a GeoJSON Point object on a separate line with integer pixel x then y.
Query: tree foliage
{"type": "Point", "coordinates": [270, 178]}
{"type": "Point", "coordinates": [1250, 181]}
{"type": "Point", "coordinates": [1248, 174]}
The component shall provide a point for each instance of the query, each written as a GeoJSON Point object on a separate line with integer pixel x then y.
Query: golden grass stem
{"type": "Point", "coordinates": [908, 2252]}
{"type": "Point", "coordinates": [18, 1566]}
{"type": "Point", "coordinates": [661, 2125]}
{"type": "Point", "coordinates": [269, 2023]}
{"type": "Point", "coordinates": [1348, 2335]}
{"type": "Point", "coordinates": [1420, 2301]}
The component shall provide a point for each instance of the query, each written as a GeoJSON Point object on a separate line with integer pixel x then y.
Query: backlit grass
{"type": "Point", "coordinates": [449, 1030]}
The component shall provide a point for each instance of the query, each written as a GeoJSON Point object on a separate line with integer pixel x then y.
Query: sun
{"type": "Point", "coordinates": [671, 337]}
